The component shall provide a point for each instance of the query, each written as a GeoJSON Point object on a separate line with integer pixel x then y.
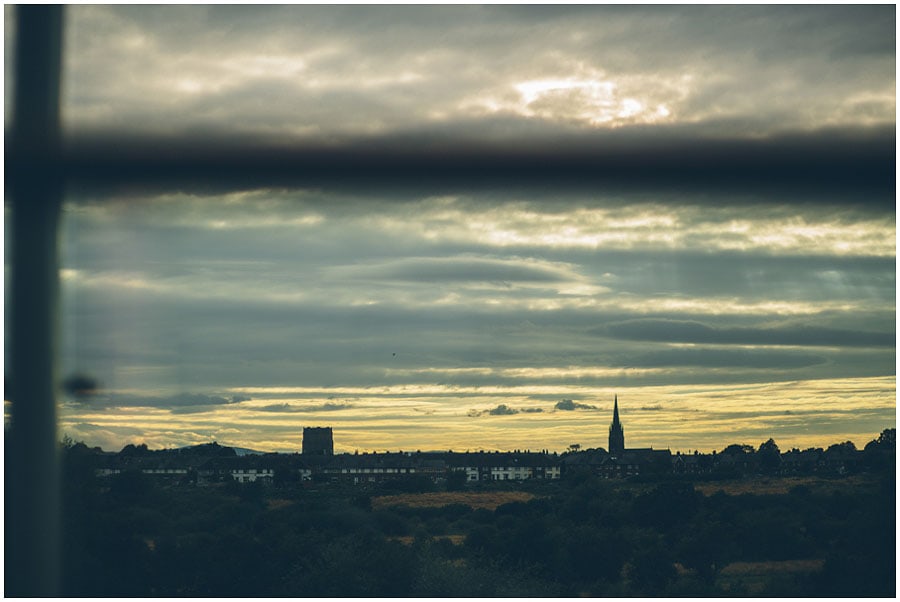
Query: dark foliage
{"type": "Point", "coordinates": [131, 534]}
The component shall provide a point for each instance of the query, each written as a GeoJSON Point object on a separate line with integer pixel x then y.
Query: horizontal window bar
{"type": "Point", "coordinates": [852, 166]}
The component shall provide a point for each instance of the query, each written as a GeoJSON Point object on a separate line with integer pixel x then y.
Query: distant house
{"type": "Point", "coordinates": [251, 475]}
{"type": "Point", "coordinates": [736, 459]}
{"type": "Point", "coordinates": [588, 460]}
{"type": "Point", "coordinates": [514, 466]}
{"type": "Point", "coordinates": [691, 464]}
{"type": "Point", "coordinates": [165, 472]}
{"type": "Point", "coordinates": [243, 469]}
{"type": "Point", "coordinates": [635, 462]}
{"type": "Point", "coordinates": [375, 467]}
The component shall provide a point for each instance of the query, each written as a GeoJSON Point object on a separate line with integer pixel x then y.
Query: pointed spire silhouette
{"type": "Point", "coordinates": [616, 434]}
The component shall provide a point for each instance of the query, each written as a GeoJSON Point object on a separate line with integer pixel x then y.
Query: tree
{"type": "Point", "coordinates": [134, 450]}
{"type": "Point", "coordinates": [284, 476]}
{"type": "Point", "coordinates": [456, 480]}
{"type": "Point", "coordinates": [667, 505]}
{"type": "Point", "coordinates": [880, 453]}
{"type": "Point", "coordinates": [769, 456]}
{"type": "Point", "coordinates": [650, 570]}
{"type": "Point", "coordinates": [886, 440]}
{"type": "Point", "coordinates": [590, 553]}
{"type": "Point", "coordinates": [130, 485]}
{"type": "Point", "coordinates": [574, 447]}
{"type": "Point", "coordinates": [841, 457]}
{"type": "Point", "coordinates": [251, 492]}
{"type": "Point", "coordinates": [845, 447]}
{"type": "Point", "coordinates": [738, 449]}
{"type": "Point", "coordinates": [706, 548]}
{"type": "Point", "coordinates": [888, 437]}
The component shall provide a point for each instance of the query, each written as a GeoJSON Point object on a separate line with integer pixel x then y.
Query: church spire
{"type": "Point", "coordinates": [616, 434]}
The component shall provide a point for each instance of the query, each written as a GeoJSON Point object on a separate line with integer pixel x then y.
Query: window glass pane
{"type": "Point", "coordinates": [475, 321]}
{"type": "Point", "coordinates": [708, 230]}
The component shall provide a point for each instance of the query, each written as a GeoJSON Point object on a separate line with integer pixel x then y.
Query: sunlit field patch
{"type": "Point", "coordinates": [783, 485]}
{"type": "Point", "coordinates": [753, 577]}
{"type": "Point", "coordinates": [408, 540]}
{"type": "Point", "coordinates": [473, 499]}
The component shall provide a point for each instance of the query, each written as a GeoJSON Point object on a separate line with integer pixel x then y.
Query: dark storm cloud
{"type": "Point", "coordinates": [788, 28]}
{"type": "Point", "coordinates": [457, 269]}
{"type": "Point", "coordinates": [503, 410]}
{"type": "Point", "coordinates": [179, 403]}
{"type": "Point", "coordinates": [88, 427]}
{"type": "Point", "coordinates": [280, 408]}
{"type": "Point", "coordinates": [285, 408]}
{"type": "Point", "coordinates": [317, 315]}
{"type": "Point", "coordinates": [679, 331]}
{"type": "Point", "coordinates": [569, 405]}
{"type": "Point", "coordinates": [324, 342]}
{"type": "Point", "coordinates": [759, 273]}
{"type": "Point", "coordinates": [181, 400]}
{"type": "Point", "coordinates": [724, 358]}
{"type": "Point", "coordinates": [271, 267]}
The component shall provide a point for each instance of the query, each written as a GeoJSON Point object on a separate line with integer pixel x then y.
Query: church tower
{"type": "Point", "coordinates": [616, 434]}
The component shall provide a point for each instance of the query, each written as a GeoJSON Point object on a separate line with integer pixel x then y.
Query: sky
{"type": "Point", "coordinates": [730, 277]}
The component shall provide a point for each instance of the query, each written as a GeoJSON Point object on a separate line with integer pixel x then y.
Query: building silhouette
{"type": "Point", "coordinates": [616, 434]}
{"type": "Point", "coordinates": [318, 441]}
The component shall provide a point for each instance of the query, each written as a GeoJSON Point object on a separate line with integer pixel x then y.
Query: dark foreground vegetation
{"type": "Point", "coordinates": [131, 535]}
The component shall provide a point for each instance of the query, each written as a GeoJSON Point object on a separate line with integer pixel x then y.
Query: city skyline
{"type": "Point", "coordinates": [450, 313]}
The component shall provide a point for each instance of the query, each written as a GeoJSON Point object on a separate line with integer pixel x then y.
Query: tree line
{"type": "Point", "coordinates": [131, 535]}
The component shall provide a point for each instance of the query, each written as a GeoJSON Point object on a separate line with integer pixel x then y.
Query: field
{"type": "Point", "coordinates": [754, 577]}
{"type": "Point", "coordinates": [408, 540]}
{"type": "Point", "coordinates": [758, 485]}
{"type": "Point", "coordinates": [782, 485]}
{"type": "Point", "coordinates": [473, 499]}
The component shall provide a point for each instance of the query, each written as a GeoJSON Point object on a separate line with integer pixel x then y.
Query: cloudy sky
{"type": "Point", "coordinates": [731, 276]}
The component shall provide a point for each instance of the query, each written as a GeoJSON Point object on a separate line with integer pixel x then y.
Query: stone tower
{"type": "Point", "coordinates": [318, 441]}
{"type": "Point", "coordinates": [616, 434]}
